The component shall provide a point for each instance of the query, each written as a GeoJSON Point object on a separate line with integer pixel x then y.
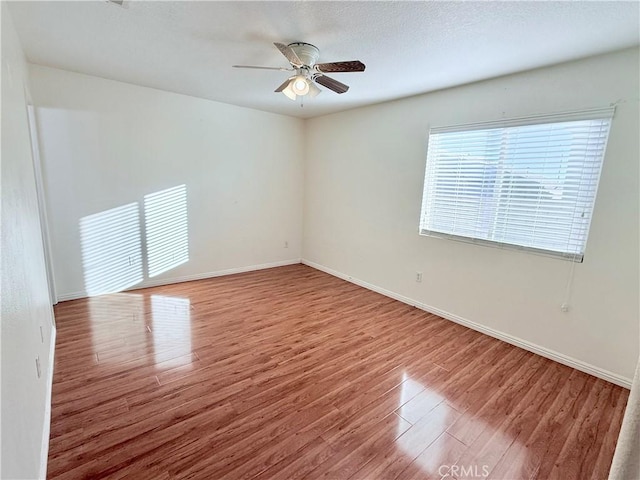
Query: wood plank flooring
{"type": "Point", "coordinates": [290, 373]}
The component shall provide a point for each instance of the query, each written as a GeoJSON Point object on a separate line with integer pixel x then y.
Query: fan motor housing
{"type": "Point", "coordinates": [306, 52]}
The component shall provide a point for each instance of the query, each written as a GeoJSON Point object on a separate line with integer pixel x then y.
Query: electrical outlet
{"type": "Point", "coordinates": [418, 277]}
{"type": "Point", "coordinates": [564, 308]}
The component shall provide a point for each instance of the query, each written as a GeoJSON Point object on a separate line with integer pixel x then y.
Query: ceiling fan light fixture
{"type": "Point", "coordinates": [303, 58]}
{"type": "Point", "coordinates": [288, 91]}
{"type": "Point", "coordinates": [300, 85]}
{"type": "Point", "coordinates": [313, 90]}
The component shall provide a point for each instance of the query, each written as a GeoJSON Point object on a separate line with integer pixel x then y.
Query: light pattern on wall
{"type": "Point", "coordinates": [165, 216]}
{"type": "Point", "coordinates": [113, 255]}
{"type": "Point", "coordinates": [111, 249]}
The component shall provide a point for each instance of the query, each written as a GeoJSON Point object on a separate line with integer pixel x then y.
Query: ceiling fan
{"type": "Point", "coordinates": [302, 57]}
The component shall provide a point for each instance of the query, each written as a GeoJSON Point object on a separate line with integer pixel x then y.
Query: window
{"type": "Point", "coordinates": [526, 183]}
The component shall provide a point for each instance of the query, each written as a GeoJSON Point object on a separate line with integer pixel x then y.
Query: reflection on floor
{"type": "Point", "coordinates": [291, 373]}
{"type": "Point", "coordinates": [171, 329]}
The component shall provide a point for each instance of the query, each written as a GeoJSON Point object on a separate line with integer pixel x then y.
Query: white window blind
{"type": "Point", "coordinates": [528, 183]}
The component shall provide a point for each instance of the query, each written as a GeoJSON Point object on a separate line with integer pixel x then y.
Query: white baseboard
{"type": "Point", "coordinates": [63, 297]}
{"type": "Point", "coordinates": [188, 278]}
{"type": "Point", "coordinates": [532, 347]}
{"type": "Point", "coordinates": [44, 449]}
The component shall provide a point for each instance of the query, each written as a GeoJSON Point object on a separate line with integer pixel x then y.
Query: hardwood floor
{"type": "Point", "coordinates": [290, 373]}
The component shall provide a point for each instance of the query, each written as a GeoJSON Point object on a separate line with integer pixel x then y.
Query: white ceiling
{"type": "Point", "coordinates": [408, 47]}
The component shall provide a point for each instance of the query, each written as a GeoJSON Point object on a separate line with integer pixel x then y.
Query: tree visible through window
{"type": "Point", "coordinates": [526, 183]}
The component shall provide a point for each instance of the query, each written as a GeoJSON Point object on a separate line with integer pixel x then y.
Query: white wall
{"type": "Point", "coordinates": [105, 144]}
{"type": "Point", "coordinates": [26, 399]}
{"type": "Point", "coordinates": [363, 189]}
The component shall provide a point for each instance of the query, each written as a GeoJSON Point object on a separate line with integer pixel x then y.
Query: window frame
{"type": "Point", "coordinates": [606, 113]}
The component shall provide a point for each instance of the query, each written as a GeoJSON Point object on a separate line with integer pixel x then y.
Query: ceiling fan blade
{"type": "Point", "coordinates": [282, 69]}
{"type": "Point", "coordinates": [288, 52]}
{"type": "Point", "coordinates": [283, 86]}
{"type": "Point", "coordinates": [331, 84]}
{"type": "Point", "coordinates": [349, 66]}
